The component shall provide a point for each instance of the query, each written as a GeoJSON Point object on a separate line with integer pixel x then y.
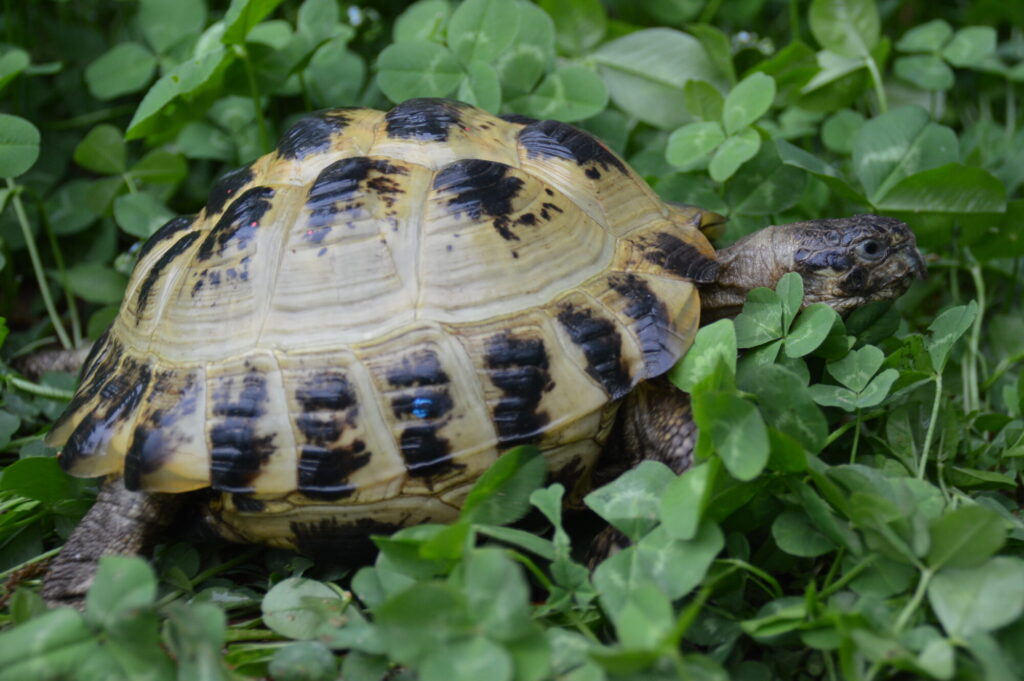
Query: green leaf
{"type": "Point", "coordinates": [877, 389]}
{"type": "Point", "coordinates": [683, 500]}
{"type": "Point", "coordinates": [202, 140]}
{"type": "Point", "coordinates": [421, 620]}
{"type": "Point", "coordinates": [166, 24]}
{"type": "Point", "coordinates": [798, 158]}
{"type": "Point", "coordinates": [795, 535]}
{"type": "Point", "coordinates": [422, 69]}
{"type": "Point", "coordinates": [840, 130]}
{"type": "Point", "coordinates": [765, 185]}
{"type": "Point", "coordinates": [140, 214]}
{"type": "Point", "coordinates": [335, 75]}
{"type": "Point", "coordinates": [123, 584]}
{"type": "Point", "coordinates": [703, 100]}
{"type": "Point", "coordinates": [480, 86]}
{"type": "Point", "coordinates": [692, 142]}
{"type": "Point", "coordinates": [424, 20]}
{"type": "Point", "coordinates": [570, 93]}
{"type": "Point", "coordinates": [38, 478]}
{"type": "Point", "coordinates": [184, 80]}
{"type": "Point", "coordinates": [51, 646]}
{"type": "Point", "coordinates": [714, 344]}
{"type": "Point", "coordinates": [525, 61]}
{"type": "Point", "coordinates": [242, 16]}
{"type": "Point", "coordinates": [811, 329]}
{"type": "Point", "coordinates": [645, 72]}
{"type": "Point", "coordinates": [303, 661]}
{"type": "Point", "coordinates": [856, 368]}
{"type": "Point", "coordinates": [13, 62]}
{"type": "Point", "coordinates": [926, 37]}
{"type": "Point", "coordinates": [124, 68]}
{"type": "Point", "coordinates": [580, 24]}
{"type": "Point", "coordinates": [747, 102]}
{"type": "Point", "coordinates": [736, 429]}
{"type": "Point", "coordinates": [925, 71]}
{"type": "Point", "coordinates": [469, 660]}
{"type": "Point", "coordinates": [946, 331]}
{"type": "Point", "coordinates": [9, 423]}
{"type": "Point", "coordinates": [734, 152]}
{"type": "Point", "coordinates": [847, 27]}
{"type": "Point", "coordinates": [834, 396]}
{"type": "Point", "coordinates": [761, 319]}
{"type": "Point", "coordinates": [96, 283]}
{"type": "Point", "coordinates": [786, 404]}
{"type": "Point", "coordinates": [502, 494]}
{"type": "Point", "coordinates": [299, 608]}
{"type": "Point", "coordinates": [160, 167]}
{"type": "Point", "coordinates": [971, 46]}
{"type": "Point", "coordinates": [978, 599]}
{"type": "Point", "coordinates": [318, 19]}
{"type": "Point", "coordinates": [630, 502]}
{"type": "Point", "coordinates": [497, 594]}
{"type": "Point", "coordinates": [19, 145]}
{"type": "Point", "coordinates": [480, 30]}
{"type": "Point", "coordinates": [965, 537]}
{"type": "Point", "coordinates": [102, 151]}
{"type": "Point", "coordinates": [898, 144]}
{"type": "Point", "coordinates": [952, 188]}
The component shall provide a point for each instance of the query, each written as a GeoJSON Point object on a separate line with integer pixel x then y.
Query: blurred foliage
{"type": "Point", "coordinates": [854, 512]}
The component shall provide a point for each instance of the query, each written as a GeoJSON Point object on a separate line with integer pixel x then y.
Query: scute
{"type": "Point", "coordinates": [376, 310]}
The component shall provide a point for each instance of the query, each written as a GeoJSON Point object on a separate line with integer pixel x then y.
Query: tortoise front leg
{"type": "Point", "coordinates": [655, 423]}
{"type": "Point", "coordinates": [119, 523]}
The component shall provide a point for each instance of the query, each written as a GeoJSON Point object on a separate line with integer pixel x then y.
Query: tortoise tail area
{"type": "Point", "coordinates": [121, 522]}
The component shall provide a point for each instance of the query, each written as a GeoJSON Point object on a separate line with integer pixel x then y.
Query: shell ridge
{"type": "Point", "coordinates": [282, 253]}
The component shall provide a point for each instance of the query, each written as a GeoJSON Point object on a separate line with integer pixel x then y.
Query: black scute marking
{"type": "Point", "coordinates": [227, 188]}
{"type": "Point", "coordinates": [561, 140]}
{"type": "Point", "coordinates": [120, 393]}
{"type": "Point", "coordinates": [331, 541]}
{"type": "Point", "coordinates": [168, 230]}
{"type": "Point", "coordinates": [99, 365]}
{"type": "Point", "coordinates": [420, 367]}
{"type": "Point", "coordinates": [480, 188]}
{"type": "Point", "coordinates": [179, 247]}
{"type": "Point", "coordinates": [339, 183]}
{"type": "Point", "coordinates": [652, 322]}
{"type": "Point", "coordinates": [425, 119]}
{"type": "Point", "coordinates": [156, 438]}
{"type": "Point", "coordinates": [601, 345]}
{"type": "Point", "coordinates": [675, 255]}
{"type": "Point", "coordinates": [310, 135]}
{"type": "Point", "coordinates": [517, 118]}
{"type": "Point", "coordinates": [236, 452]}
{"type": "Point", "coordinates": [328, 403]}
{"type": "Point", "coordinates": [238, 224]}
{"type": "Point", "coordinates": [519, 368]}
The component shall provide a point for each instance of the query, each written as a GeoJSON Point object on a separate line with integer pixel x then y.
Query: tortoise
{"type": "Point", "coordinates": [359, 323]}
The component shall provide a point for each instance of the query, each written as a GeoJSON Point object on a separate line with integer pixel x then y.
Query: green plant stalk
{"type": "Point", "coordinates": [254, 92]}
{"type": "Point", "coordinates": [69, 297]}
{"type": "Point", "coordinates": [37, 266]}
{"type": "Point", "coordinates": [794, 20]}
{"type": "Point", "coordinates": [710, 10]}
{"type": "Point", "coordinates": [923, 463]}
{"type": "Point", "coordinates": [856, 438]}
{"type": "Point", "coordinates": [915, 601]}
{"type": "Point", "coordinates": [876, 79]}
{"type": "Point", "coordinates": [129, 182]}
{"type": "Point", "coordinates": [972, 396]}
{"type": "Point", "coordinates": [848, 577]}
{"type": "Point", "coordinates": [41, 390]}
{"type": "Point", "coordinates": [41, 557]}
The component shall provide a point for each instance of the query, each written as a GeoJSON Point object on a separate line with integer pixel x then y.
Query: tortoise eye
{"type": "Point", "coordinates": [870, 250]}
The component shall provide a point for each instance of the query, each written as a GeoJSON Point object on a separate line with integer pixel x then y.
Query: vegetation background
{"type": "Point", "coordinates": [855, 511]}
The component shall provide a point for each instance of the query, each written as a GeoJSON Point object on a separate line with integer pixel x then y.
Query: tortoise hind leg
{"type": "Point", "coordinates": [655, 423]}
{"type": "Point", "coordinates": [121, 522]}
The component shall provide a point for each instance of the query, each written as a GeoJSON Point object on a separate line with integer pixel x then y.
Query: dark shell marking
{"type": "Point", "coordinates": [244, 503]}
{"type": "Point", "coordinates": [346, 543]}
{"type": "Point", "coordinates": [517, 118]}
{"type": "Point", "coordinates": [481, 188]}
{"type": "Point", "coordinates": [237, 453]}
{"type": "Point", "coordinates": [227, 188]}
{"type": "Point", "coordinates": [518, 367]}
{"type": "Point", "coordinates": [425, 119]}
{"type": "Point", "coordinates": [652, 325]}
{"type": "Point", "coordinates": [561, 140]}
{"type": "Point", "coordinates": [601, 344]}
{"type": "Point", "coordinates": [674, 255]}
{"type": "Point", "coordinates": [168, 230]}
{"type": "Point", "coordinates": [310, 135]}
{"type": "Point", "coordinates": [122, 390]}
{"type": "Point", "coordinates": [422, 400]}
{"type": "Point", "coordinates": [329, 405]}
{"type": "Point", "coordinates": [153, 275]}
{"type": "Point", "coordinates": [155, 437]}
{"type": "Point", "coordinates": [238, 224]}
{"type": "Point", "coordinates": [339, 183]}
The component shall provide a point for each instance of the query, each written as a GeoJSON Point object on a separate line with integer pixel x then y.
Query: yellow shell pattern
{"type": "Point", "coordinates": [359, 323]}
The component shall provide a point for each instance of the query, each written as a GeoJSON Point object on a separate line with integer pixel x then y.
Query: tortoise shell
{"type": "Point", "coordinates": [357, 324]}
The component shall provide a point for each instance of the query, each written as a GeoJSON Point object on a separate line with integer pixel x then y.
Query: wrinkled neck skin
{"type": "Point", "coordinates": [844, 262]}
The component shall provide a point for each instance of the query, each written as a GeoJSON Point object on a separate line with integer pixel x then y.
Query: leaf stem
{"type": "Point", "coordinates": [41, 390]}
{"type": "Point", "coordinates": [923, 463]}
{"type": "Point", "coordinates": [254, 92]}
{"type": "Point", "coordinates": [856, 438]}
{"type": "Point", "coordinates": [69, 297]}
{"type": "Point", "coordinates": [972, 395]}
{"type": "Point", "coordinates": [876, 78]}
{"type": "Point", "coordinates": [37, 265]}
{"type": "Point", "coordinates": [915, 601]}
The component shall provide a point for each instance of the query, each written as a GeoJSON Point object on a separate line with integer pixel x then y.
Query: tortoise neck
{"type": "Point", "coordinates": [759, 259]}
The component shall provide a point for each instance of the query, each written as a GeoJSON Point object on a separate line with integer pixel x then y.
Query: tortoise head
{"type": "Point", "coordinates": [848, 262]}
